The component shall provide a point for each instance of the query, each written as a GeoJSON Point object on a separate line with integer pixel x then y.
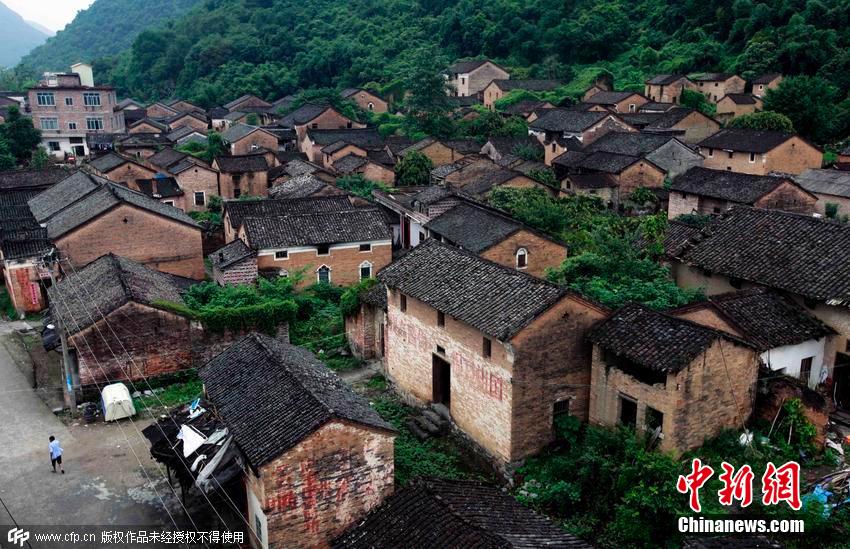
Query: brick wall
{"type": "Point", "coordinates": [607, 124]}
{"type": "Point", "coordinates": [707, 316]}
{"type": "Point", "coordinates": [191, 122]}
{"type": "Point", "coordinates": [478, 79]}
{"type": "Point", "coordinates": [319, 488]}
{"type": "Point", "coordinates": [261, 139]}
{"type": "Point", "coordinates": [244, 272]}
{"type": "Point", "coordinates": [198, 179]}
{"type": "Point", "coordinates": [23, 286]}
{"type": "Point", "coordinates": [129, 172]}
{"type": "Point", "coordinates": [155, 241]}
{"type": "Point", "coordinates": [640, 174]}
{"type": "Point", "coordinates": [788, 197]}
{"type": "Point", "coordinates": [144, 127]}
{"type": "Point", "coordinates": [552, 364]}
{"type": "Point", "coordinates": [823, 199]}
{"type": "Point", "coordinates": [363, 98]}
{"type": "Point", "coordinates": [158, 111]}
{"type": "Point", "coordinates": [715, 392]}
{"type": "Point", "coordinates": [344, 261]}
{"type": "Point", "coordinates": [682, 204]}
{"type": "Point", "coordinates": [714, 91]}
{"type": "Point", "coordinates": [481, 388]}
{"type": "Point", "coordinates": [363, 331]}
{"type": "Point", "coordinates": [77, 113]}
{"type": "Point", "coordinates": [440, 155]}
{"type": "Point", "coordinates": [380, 173]}
{"type": "Point", "coordinates": [631, 104]}
{"type": "Point", "coordinates": [794, 156]}
{"type": "Point", "coordinates": [542, 252]}
{"type": "Point", "coordinates": [697, 127]}
{"type": "Point", "coordinates": [250, 183]}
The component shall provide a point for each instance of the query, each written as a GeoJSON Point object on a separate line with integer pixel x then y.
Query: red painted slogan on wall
{"type": "Point", "coordinates": [484, 381]}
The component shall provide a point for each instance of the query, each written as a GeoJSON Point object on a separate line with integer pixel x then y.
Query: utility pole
{"type": "Point", "coordinates": [68, 384]}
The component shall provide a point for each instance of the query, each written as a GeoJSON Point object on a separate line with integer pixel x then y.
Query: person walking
{"type": "Point", "coordinates": [55, 454]}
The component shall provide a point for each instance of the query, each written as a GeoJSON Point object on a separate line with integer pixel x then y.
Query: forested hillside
{"type": "Point", "coordinates": [108, 27]}
{"type": "Point", "coordinates": [17, 37]}
{"type": "Point", "coordinates": [272, 46]}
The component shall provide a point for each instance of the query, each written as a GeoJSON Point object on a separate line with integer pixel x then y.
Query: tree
{"type": "Point", "coordinates": [7, 159]}
{"type": "Point", "coordinates": [21, 137]}
{"type": "Point", "coordinates": [696, 100]}
{"type": "Point", "coordinates": [427, 101]}
{"type": "Point", "coordinates": [809, 102]}
{"type": "Point", "coordinates": [765, 120]}
{"type": "Point", "coordinates": [39, 159]}
{"type": "Point", "coordinates": [414, 168]}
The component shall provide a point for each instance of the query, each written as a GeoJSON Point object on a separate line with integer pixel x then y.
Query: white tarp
{"type": "Point", "coordinates": [117, 403]}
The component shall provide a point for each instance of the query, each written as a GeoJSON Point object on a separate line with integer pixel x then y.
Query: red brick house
{"type": "Point", "coordinates": [629, 172]}
{"type": "Point", "coordinates": [365, 329]}
{"type": "Point", "coordinates": [87, 217]}
{"type": "Point", "coordinates": [197, 179]}
{"type": "Point", "coordinates": [322, 147]}
{"type": "Point", "coordinates": [112, 308]}
{"type": "Point", "coordinates": [318, 457]}
{"type": "Point", "coordinates": [764, 82]}
{"type": "Point", "coordinates": [242, 175]}
{"type": "Point", "coordinates": [370, 166]}
{"type": "Point", "coordinates": [759, 152]}
{"type": "Point", "coordinates": [121, 169]}
{"type": "Point", "coordinates": [498, 88]}
{"type": "Point", "coordinates": [197, 120]}
{"type": "Point", "coordinates": [688, 125]}
{"type": "Point", "coordinates": [620, 102]}
{"type": "Point", "coordinates": [247, 101]}
{"type": "Point", "coordinates": [487, 343]}
{"type": "Point", "coordinates": [234, 263]}
{"type": "Point", "coordinates": [147, 126]}
{"type": "Point", "coordinates": [316, 117]}
{"type": "Point", "coordinates": [442, 152]}
{"type": "Point", "coordinates": [554, 128]}
{"type": "Point", "coordinates": [714, 85]}
{"type": "Point", "coordinates": [652, 371]}
{"type": "Point", "coordinates": [704, 191]}
{"type": "Point", "coordinates": [365, 99]}
{"type": "Point", "coordinates": [245, 139]}
{"type": "Point", "coordinates": [236, 211]}
{"type": "Point", "coordinates": [666, 88]}
{"type": "Point", "coordinates": [340, 247]}
{"type": "Point", "coordinates": [160, 110]}
{"type": "Point", "coordinates": [733, 105]}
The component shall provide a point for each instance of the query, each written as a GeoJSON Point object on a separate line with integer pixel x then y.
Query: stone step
{"type": "Point", "coordinates": [425, 424]}
{"type": "Point", "coordinates": [414, 428]}
{"type": "Point", "coordinates": [442, 411]}
{"type": "Point", "coordinates": [435, 418]}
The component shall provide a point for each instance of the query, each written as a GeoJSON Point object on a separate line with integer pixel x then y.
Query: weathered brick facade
{"type": "Point", "coordinates": [152, 240]}
{"type": "Point", "coordinates": [787, 197]}
{"type": "Point", "coordinates": [128, 172]}
{"type": "Point", "coordinates": [258, 139]}
{"type": "Point", "coordinates": [474, 81]}
{"type": "Point", "coordinates": [365, 332]}
{"type": "Point", "coordinates": [247, 183]}
{"type": "Point", "coordinates": [243, 272]}
{"type": "Point", "coordinates": [794, 156]}
{"type": "Point", "coordinates": [504, 402]}
{"type": "Point", "coordinates": [24, 287]}
{"type": "Point", "coordinates": [715, 391]}
{"type": "Point", "coordinates": [542, 253]}
{"type": "Point", "coordinates": [323, 485]}
{"type": "Point", "coordinates": [344, 261]}
{"type": "Point", "coordinates": [197, 179]}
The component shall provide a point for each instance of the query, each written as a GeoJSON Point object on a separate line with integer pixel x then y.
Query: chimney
{"type": "Point", "coordinates": [85, 73]}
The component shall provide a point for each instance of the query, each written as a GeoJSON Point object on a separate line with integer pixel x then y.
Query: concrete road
{"type": "Point", "coordinates": [109, 475]}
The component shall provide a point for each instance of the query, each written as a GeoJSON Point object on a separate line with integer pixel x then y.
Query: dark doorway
{"type": "Point", "coordinates": [383, 349]}
{"type": "Point", "coordinates": [841, 374]}
{"type": "Point", "coordinates": [405, 232]}
{"type": "Point", "coordinates": [442, 380]}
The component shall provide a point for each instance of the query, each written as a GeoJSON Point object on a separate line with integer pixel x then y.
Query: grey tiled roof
{"type": "Point", "coordinates": [497, 300]}
{"type": "Point", "coordinates": [108, 162]}
{"type": "Point", "coordinates": [832, 182]}
{"type": "Point", "coordinates": [599, 161]}
{"type": "Point", "coordinates": [769, 320]}
{"type": "Point", "coordinates": [473, 228]}
{"type": "Point", "coordinates": [732, 186]}
{"type": "Point", "coordinates": [466, 66]}
{"type": "Point", "coordinates": [16, 179]}
{"type": "Point", "coordinates": [563, 120]}
{"type": "Point", "coordinates": [766, 78]}
{"type": "Point", "coordinates": [238, 210]}
{"type": "Point", "coordinates": [455, 514]}
{"type": "Point", "coordinates": [230, 254]}
{"type": "Point", "coordinates": [367, 138]}
{"type": "Point", "coordinates": [756, 141]}
{"type": "Point", "coordinates": [63, 194]}
{"type": "Point", "coordinates": [106, 284]}
{"type": "Point", "coordinates": [271, 395]}
{"type": "Point", "coordinates": [531, 85]}
{"type": "Point", "coordinates": [237, 131]}
{"type": "Point", "coordinates": [242, 163]}
{"type": "Point", "coordinates": [105, 198]}
{"type": "Point", "coordinates": [664, 79]}
{"type": "Point", "coordinates": [303, 114]}
{"type": "Point", "coordinates": [349, 163]}
{"type": "Point", "coordinates": [712, 77]}
{"type": "Point", "coordinates": [159, 187]}
{"type": "Point", "coordinates": [742, 98]}
{"type": "Point", "coordinates": [166, 158]}
{"type": "Point", "coordinates": [653, 340]}
{"type": "Point", "coordinates": [630, 143]}
{"type": "Point", "coordinates": [793, 252]}
{"type": "Point", "coordinates": [300, 186]}
{"type": "Point", "coordinates": [244, 98]}
{"type": "Point", "coordinates": [310, 229]}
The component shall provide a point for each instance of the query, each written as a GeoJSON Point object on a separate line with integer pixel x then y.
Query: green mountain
{"type": "Point", "coordinates": [17, 37]}
{"type": "Point", "coordinates": [106, 28]}
{"type": "Point", "coordinates": [223, 48]}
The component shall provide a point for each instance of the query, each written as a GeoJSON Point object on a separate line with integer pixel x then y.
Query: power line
{"type": "Point", "coordinates": [124, 434]}
{"type": "Point", "coordinates": [15, 522]}
{"type": "Point", "coordinates": [140, 371]}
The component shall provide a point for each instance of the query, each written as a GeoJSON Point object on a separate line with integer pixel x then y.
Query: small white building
{"type": "Point", "coordinates": [790, 340]}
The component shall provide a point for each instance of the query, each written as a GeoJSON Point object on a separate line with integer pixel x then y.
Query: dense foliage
{"type": "Point", "coordinates": [106, 28]}
{"type": "Point", "coordinates": [765, 120]}
{"type": "Point", "coordinates": [611, 257]}
{"type": "Point", "coordinates": [19, 140]}
{"type": "Point", "coordinates": [414, 168]}
{"type": "Point", "coordinates": [223, 48]}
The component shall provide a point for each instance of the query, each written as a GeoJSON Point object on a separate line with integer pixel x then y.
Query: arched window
{"type": "Point", "coordinates": [323, 274]}
{"type": "Point", "coordinates": [521, 258]}
{"type": "Point", "coordinates": [371, 106]}
{"type": "Point", "coordinates": [365, 270]}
